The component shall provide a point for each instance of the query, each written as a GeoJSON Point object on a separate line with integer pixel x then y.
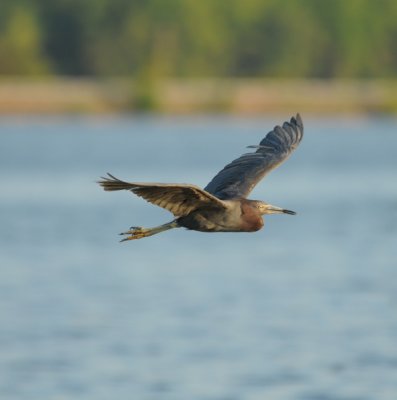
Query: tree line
{"type": "Point", "coordinates": [206, 38]}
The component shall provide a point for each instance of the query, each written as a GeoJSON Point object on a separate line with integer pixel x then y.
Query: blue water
{"type": "Point", "coordinates": [305, 309]}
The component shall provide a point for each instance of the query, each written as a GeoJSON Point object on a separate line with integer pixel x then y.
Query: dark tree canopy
{"type": "Point", "coordinates": [189, 38]}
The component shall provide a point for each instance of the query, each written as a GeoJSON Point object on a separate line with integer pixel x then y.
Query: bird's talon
{"type": "Point", "coordinates": [135, 232]}
{"type": "Point", "coordinates": [127, 238]}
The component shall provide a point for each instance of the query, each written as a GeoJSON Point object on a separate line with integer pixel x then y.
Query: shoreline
{"type": "Point", "coordinates": [190, 96]}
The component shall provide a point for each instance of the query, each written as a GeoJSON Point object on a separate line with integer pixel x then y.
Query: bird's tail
{"type": "Point", "coordinates": [112, 183]}
{"type": "Point", "coordinates": [137, 232]}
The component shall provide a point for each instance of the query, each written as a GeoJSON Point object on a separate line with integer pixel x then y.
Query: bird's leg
{"type": "Point", "coordinates": [137, 232]}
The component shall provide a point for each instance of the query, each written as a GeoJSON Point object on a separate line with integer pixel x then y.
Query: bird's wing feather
{"type": "Point", "coordinates": [180, 199]}
{"type": "Point", "coordinates": [238, 178]}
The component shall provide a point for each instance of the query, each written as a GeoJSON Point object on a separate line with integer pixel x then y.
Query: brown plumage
{"type": "Point", "coordinates": [222, 206]}
{"type": "Point", "coordinates": [180, 199]}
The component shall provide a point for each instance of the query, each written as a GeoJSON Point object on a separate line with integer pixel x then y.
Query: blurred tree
{"type": "Point", "coordinates": [70, 26]}
{"type": "Point", "coordinates": [277, 44]}
{"type": "Point", "coordinates": [20, 43]}
{"type": "Point", "coordinates": [190, 38]}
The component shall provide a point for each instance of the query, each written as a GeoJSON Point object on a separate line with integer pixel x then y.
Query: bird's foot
{"type": "Point", "coordinates": [135, 232]}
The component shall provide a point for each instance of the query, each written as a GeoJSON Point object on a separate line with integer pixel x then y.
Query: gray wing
{"type": "Point", "coordinates": [180, 199]}
{"type": "Point", "coordinates": [239, 177]}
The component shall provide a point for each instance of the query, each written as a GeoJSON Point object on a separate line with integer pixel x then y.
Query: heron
{"type": "Point", "coordinates": [222, 206]}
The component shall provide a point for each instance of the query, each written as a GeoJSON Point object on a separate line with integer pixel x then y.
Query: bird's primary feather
{"type": "Point", "coordinates": [180, 199]}
{"type": "Point", "coordinates": [237, 179]}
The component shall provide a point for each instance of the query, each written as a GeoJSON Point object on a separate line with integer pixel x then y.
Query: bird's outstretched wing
{"type": "Point", "coordinates": [180, 199]}
{"type": "Point", "coordinates": [239, 177]}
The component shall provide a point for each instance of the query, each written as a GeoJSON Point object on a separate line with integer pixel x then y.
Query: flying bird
{"type": "Point", "coordinates": [222, 206]}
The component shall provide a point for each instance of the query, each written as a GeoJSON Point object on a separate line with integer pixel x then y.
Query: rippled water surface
{"type": "Point", "coordinates": [305, 309]}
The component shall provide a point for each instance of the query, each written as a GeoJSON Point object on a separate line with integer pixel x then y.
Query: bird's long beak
{"type": "Point", "coordinates": [277, 210]}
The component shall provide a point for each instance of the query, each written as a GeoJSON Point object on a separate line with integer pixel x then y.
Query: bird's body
{"type": "Point", "coordinates": [222, 206]}
{"type": "Point", "coordinates": [238, 216]}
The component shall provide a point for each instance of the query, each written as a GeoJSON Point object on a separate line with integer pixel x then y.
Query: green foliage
{"type": "Point", "coordinates": [20, 44]}
{"type": "Point", "coordinates": [191, 38]}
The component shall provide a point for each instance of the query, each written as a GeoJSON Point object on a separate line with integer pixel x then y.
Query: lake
{"type": "Point", "coordinates": [305, 309]}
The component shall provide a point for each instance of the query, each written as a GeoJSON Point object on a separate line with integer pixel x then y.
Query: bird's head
{"type": "Point", "coordinates": [265, 208]}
